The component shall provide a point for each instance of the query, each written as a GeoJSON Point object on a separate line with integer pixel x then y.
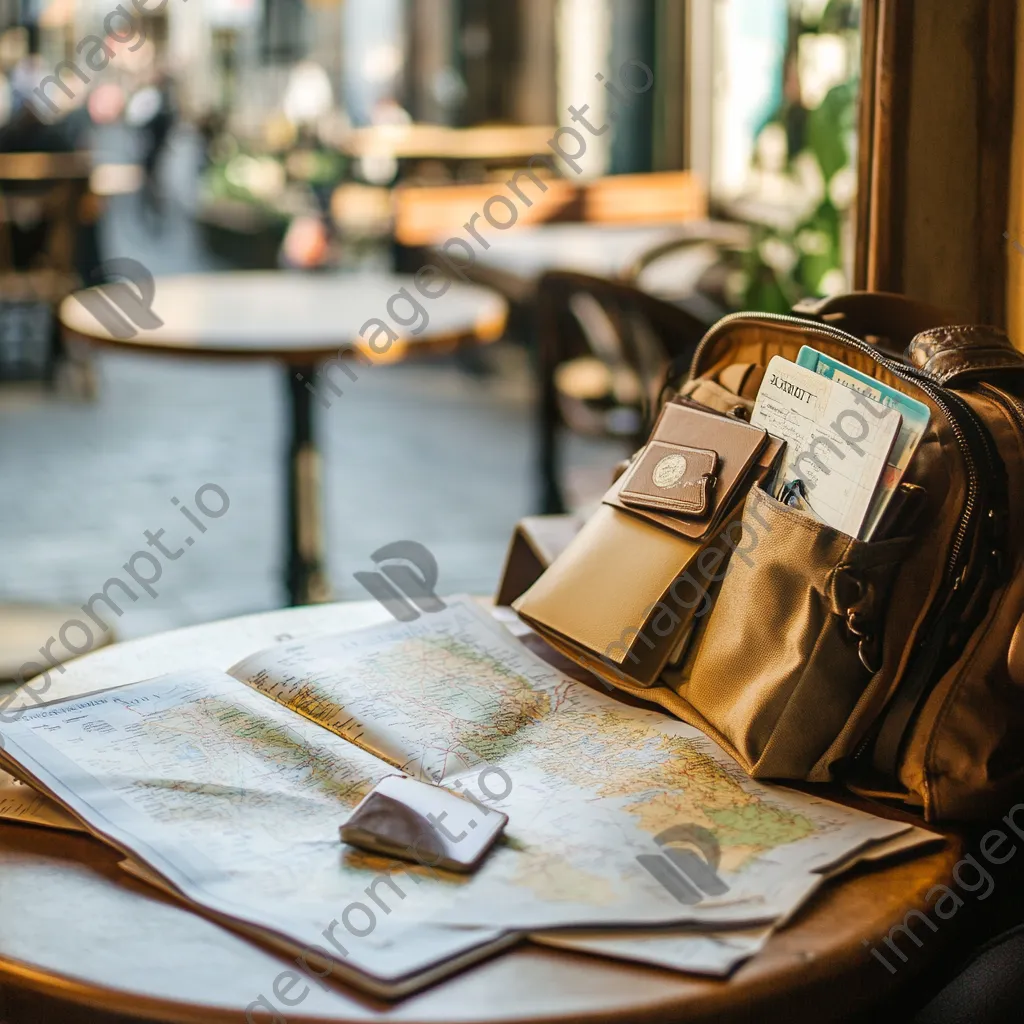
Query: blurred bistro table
{"type": "Point", "coordinates": [684, 252]}
{"type": "Point", "coordinates": [304, 322]}
{"type": "Point", "coordinates": [82, 942]}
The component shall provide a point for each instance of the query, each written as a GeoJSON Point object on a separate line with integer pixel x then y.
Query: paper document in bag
{"type": "Point", "coordinates": [837, 440]}
{"type": "Point", "coordinates": [915, 423]}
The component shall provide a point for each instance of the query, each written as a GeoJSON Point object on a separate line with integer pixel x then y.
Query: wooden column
{"type": "Point", "coordinates": [1015, 243]}
{"type": "Point", "coordinates": [937, 111]}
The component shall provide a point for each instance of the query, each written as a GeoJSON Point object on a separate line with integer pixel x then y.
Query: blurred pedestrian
{"type": "Point", "coordinates": [153, 111]}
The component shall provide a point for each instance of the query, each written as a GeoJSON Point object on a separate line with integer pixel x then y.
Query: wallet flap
{"type": "Point", "coordinates": [762, 470]}
{"type": "Point", "coordinates": [737, 445]}
{"type": "Point", "coordinates": [672, 478]}
{"type": "Point", "coordinates": [602, 590]}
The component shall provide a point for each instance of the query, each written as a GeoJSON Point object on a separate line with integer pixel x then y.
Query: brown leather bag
{"type": "Point", "coordinates": [896, 665]}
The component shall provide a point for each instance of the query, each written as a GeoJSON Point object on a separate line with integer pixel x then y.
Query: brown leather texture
{"type": "Point", "coordinates": [952, 354]}
{"type": "Point", "coordinates": [887, 664]}
{"type": "Point", "coordinates": [635, 582]}
{"type": "Point", "coordinates": [673, 478]}
{"type": "Point", "coordinates": [737, 447]}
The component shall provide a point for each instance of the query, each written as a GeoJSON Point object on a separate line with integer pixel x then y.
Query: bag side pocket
{"type": "Point", "coordinates": [793, 639]}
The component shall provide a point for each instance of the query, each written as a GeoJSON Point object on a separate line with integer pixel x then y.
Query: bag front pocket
{"type": "Point", "coordinates": [792, 641]}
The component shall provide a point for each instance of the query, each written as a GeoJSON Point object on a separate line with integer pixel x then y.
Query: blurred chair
{"type": "Point", "coordinates": [604, 348]}
{"type": "Point", "coordinates": [41, 204]}
{"type": "Point", "coordinates": [687, 270]}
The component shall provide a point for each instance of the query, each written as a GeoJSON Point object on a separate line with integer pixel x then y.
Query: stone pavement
{"type": "Point", "coordinates": [424, 452]}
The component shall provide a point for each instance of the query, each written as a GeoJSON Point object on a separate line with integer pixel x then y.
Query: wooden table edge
{"type": "Point", "coordinates": [484, 332]}
{"type": "Point", "coordinates": [802, 976]}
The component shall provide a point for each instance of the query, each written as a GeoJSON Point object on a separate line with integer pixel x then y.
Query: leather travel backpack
{"type": "Point", "coordinates": [938, 716]}
{"type": "Point", "coordinates": [893, 665]}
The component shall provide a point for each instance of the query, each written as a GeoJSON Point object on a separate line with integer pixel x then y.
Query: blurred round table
{"type": "Point", "coordinates": [313, 323]}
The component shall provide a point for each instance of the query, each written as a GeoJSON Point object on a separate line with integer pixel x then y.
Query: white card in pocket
{"type": "Point", "coordinates": [837, 440]}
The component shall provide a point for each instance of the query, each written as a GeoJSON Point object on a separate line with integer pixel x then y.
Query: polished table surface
{"type": "Point", "coordinates": [293, 317]}
{"type": "Point", "coordinates": [74, 928]}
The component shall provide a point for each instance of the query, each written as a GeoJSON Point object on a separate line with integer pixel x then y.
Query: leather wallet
{"type": "Point", "coordinates": [673, 477]}
{"type": "Point", "coordinates": [739, 448]}
{"type": "Point", "coordinates": [631, 587]}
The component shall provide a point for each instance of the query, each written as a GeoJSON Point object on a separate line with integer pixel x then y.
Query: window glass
{"type": "Point", "coordinates": [785, 89]}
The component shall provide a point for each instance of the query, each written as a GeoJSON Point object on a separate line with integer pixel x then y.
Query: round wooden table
{"type": "Point", "coordinates": [311, 323]}
{"type": "Point", "coordinates": [74, 929]}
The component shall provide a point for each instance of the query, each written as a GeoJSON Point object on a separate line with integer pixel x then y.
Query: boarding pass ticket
{"type": "Point", "coordinates": [837, 440]}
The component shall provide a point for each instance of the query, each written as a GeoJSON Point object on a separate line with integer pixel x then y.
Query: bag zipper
{"type": "Point", "coordinates": [944, 399]}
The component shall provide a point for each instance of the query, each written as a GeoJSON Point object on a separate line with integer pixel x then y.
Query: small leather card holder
{"type": "Point", "coordinates": [738, 447]}
{"type": "Point", "coordinates": [672, 477]}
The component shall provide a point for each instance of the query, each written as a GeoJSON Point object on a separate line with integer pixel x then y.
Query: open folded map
{"type": "Point", "coordinates": [229, 788]}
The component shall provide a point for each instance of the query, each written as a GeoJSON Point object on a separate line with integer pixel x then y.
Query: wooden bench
{"type": "Point", "coordinates": [428, 215]}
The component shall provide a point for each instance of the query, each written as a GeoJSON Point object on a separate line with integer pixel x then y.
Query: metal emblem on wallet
{"type": "Point", "coordinates": [669, 472]}
{"type": "Point", "coordinates": [672, 477]}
